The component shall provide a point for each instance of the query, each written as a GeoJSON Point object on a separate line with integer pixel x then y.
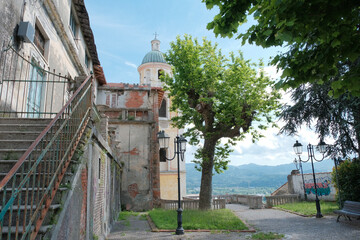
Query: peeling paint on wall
{"type": "Point", "coordinates": [135, 99]}
{"type": "Point", "coordinates": [133, 190]}
{"type": "Point", "coordinates": [132, 152]}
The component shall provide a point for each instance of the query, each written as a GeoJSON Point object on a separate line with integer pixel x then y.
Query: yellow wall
{"type": "Point", "coordinates": [168, 185]}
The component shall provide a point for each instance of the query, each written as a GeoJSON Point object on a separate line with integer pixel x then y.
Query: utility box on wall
{"type": "Point", "coordinates": [26, 32]}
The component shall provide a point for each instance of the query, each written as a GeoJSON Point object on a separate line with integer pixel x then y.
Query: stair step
{"type": "Point", "coordinates": [19, 174]}
{"type": "Point", "coordinates": [6, 154]}
{"type": "Point", "coordinates": [22, 127]}
{"type": "Point", "coordinates": [26, 211]}
{"type": "Point", "coordinates": [25, 120]}
{"type": "Point", "coordinates": [25, 135]}
{"type": "Point", "coordinates": [28, 207]}
{"type": "Point", "coordinates": [23, 199]}
{"type": "Point", "coordinates": [43, 229]}
{"type": "Point", "coordinates": [14, 144]}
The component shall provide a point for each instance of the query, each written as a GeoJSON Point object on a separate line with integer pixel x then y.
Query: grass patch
{"type": "Point", "coordinates": [126, 214]}
{"type": "Point", "coordinates": [269, 235]}
{"type": "Point", "coordinates": [143, 216]}
{"type": "Point", "coordinates": [309, 208]}
{"type": "Point", "coordinates": [221, 219]}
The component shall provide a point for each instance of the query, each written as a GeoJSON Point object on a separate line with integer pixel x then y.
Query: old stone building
{"type": "Point", "coordinates": [58, 176]}
{"type": "Point", "coordinates": [152, 67]}
{"type": "Point", "coordinates": [136, 114]}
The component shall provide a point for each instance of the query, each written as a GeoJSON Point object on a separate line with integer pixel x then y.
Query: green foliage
{"type": "Point", "coordinates": [321, 36]}
{"type": "Point", "coordinates": [338, 118]}
{"type": "Point", "coordinates": [217, 97]}
{"type": "Point", "coordinates": [269, 235]}
{"type": "Point", "coordinates": [348, 179]}
{"type": "Point", "coordinates": [124, 215]}
{"type": "Point", "coordinates": [309, 208]}
{"type": "Point", "coordinates": [221, 219]}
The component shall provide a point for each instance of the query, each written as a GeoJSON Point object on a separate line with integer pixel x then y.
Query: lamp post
{"type": "Point", "coordinates": [311, 156]}
{"type": "Point", "coordinates": [179, 151]}
{"type": "Point", "coordinates": [302, 175]}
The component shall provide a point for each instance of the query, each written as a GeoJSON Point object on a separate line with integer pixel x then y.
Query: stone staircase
{"type": "Point", "coordinates": [16, 135]}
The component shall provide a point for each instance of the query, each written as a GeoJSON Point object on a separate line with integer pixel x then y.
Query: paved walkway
{"type": "Point", "coordinates": [263, 220]}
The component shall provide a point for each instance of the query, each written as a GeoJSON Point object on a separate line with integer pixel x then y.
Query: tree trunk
{"type": "Point", "coordinates": [356, 115]}
{"type": "Point", "coordinates": [206, 174]}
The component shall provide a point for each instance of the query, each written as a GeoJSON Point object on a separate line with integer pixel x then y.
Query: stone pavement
{"type": "Point", "coordinates": [263, 220]}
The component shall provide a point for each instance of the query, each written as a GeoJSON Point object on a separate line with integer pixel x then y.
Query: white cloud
{"type": "Point", "coordinates": [131, 64]}
{"type": "Point", "coordinates": [273, 72]}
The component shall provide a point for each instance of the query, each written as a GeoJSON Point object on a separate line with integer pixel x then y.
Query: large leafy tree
{"type": "Point", "coordinates": [321, 36]}
{"type": "Point", "coordinates": [218, 98]}
{"type": "Point", "coordinates": [338, 118]}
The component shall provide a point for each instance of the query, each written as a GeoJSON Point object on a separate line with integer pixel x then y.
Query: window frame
{"type": "Point", "coordinates": [163, 109]}
{"type": "Point", "coordinates": [73, 23]}
{"type": "Point", "coordinates": [40, 40]}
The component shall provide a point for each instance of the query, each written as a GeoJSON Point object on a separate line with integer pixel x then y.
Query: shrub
{"type": "Point", "coordinates": [349, 180]}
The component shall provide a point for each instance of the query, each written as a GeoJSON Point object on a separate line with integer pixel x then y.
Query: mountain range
{"type": "Point", "coordinates": [252, 175]}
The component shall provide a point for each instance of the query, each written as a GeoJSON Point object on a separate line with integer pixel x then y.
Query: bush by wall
{"type": "Point", "coordinates": [349, 180]}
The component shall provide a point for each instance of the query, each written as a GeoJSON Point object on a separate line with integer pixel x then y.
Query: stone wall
{"type": "Point", "coordinates": [93, 202]}
{"type": "Point", "coordinates": [325, 187]}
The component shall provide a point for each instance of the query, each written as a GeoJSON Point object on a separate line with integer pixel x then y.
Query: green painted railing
{"type": "Point", "coordinates": [30, 186]}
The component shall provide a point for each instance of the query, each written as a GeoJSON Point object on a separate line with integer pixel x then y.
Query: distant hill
{"type": "Point", "coordinates": [252, 175]}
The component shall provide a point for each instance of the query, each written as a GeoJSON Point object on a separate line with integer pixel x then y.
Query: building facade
{"type": "Point", "coordinates": [136, 114]}
{"type": "Point", "coordinates": [49, 74]}
{"type": "Point", "coordinates": [152, 67]}
{"type": "Point", "coordinates": [132, 113]}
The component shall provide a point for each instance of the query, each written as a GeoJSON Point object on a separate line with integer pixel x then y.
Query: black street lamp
{"type": "Point", "coordinates": [311, 156]}
{"type": "Point", "coordinates": [179, 151]}
{"type": "Point", "coordinates": [302, 173]}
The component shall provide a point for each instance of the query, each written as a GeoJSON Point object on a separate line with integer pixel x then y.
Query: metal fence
{"type": "Point", "coordinates": [29, 90]}
{"type": "Point", "coordinates": [33, 181]}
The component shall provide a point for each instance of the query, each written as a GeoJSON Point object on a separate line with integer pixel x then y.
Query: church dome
{"type": "Point", "coordinates": [154, 56]}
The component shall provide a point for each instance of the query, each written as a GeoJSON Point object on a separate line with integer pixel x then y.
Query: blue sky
{"type": "Point", "coordinates": [123, 31]}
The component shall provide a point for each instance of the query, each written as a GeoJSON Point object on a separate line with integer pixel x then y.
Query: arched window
{"type": "Point", "coordinates": [162, 110]}
{"type": "Point", "coordinates": [160, 73]}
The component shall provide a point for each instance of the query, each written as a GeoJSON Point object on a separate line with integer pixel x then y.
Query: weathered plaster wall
{"type": "Point", "coordinates": [132, 143]}
{"type": "Point", "coordinates": [10, 12]}
{"type": "Point", "coordinates": [132, 132]}
{"type": "Point", "coordinates": [325, 186]}
{"type": "Point", "coordinates": [169, 187]}
{"type": "Point", "coordinates": [64, 51]}
{"type": "Point", "coordinates": [93, 201]}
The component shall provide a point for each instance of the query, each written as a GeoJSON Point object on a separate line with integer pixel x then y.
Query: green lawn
{"type": "Point", "coordinates": [124, 215]}
{"type": "Point", "coordinates": [265, 236]}
{"type": "Point", "coordinates": [309, 208]}
{"type": "Point", "coordinates": [222, 219]}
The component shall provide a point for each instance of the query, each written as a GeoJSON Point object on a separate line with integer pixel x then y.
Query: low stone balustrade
{"type": "Point", "coordinates": [188, 203]}
{"type": "Point", "coordinates": [253, 201]}
{"type": "Point", "coordinates": [281, 199]}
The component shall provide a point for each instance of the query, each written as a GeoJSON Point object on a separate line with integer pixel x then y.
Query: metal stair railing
{"type": "Point", "coordinates": [35, 178]}
{"type": "Point", "coordinates": [28, 90]}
